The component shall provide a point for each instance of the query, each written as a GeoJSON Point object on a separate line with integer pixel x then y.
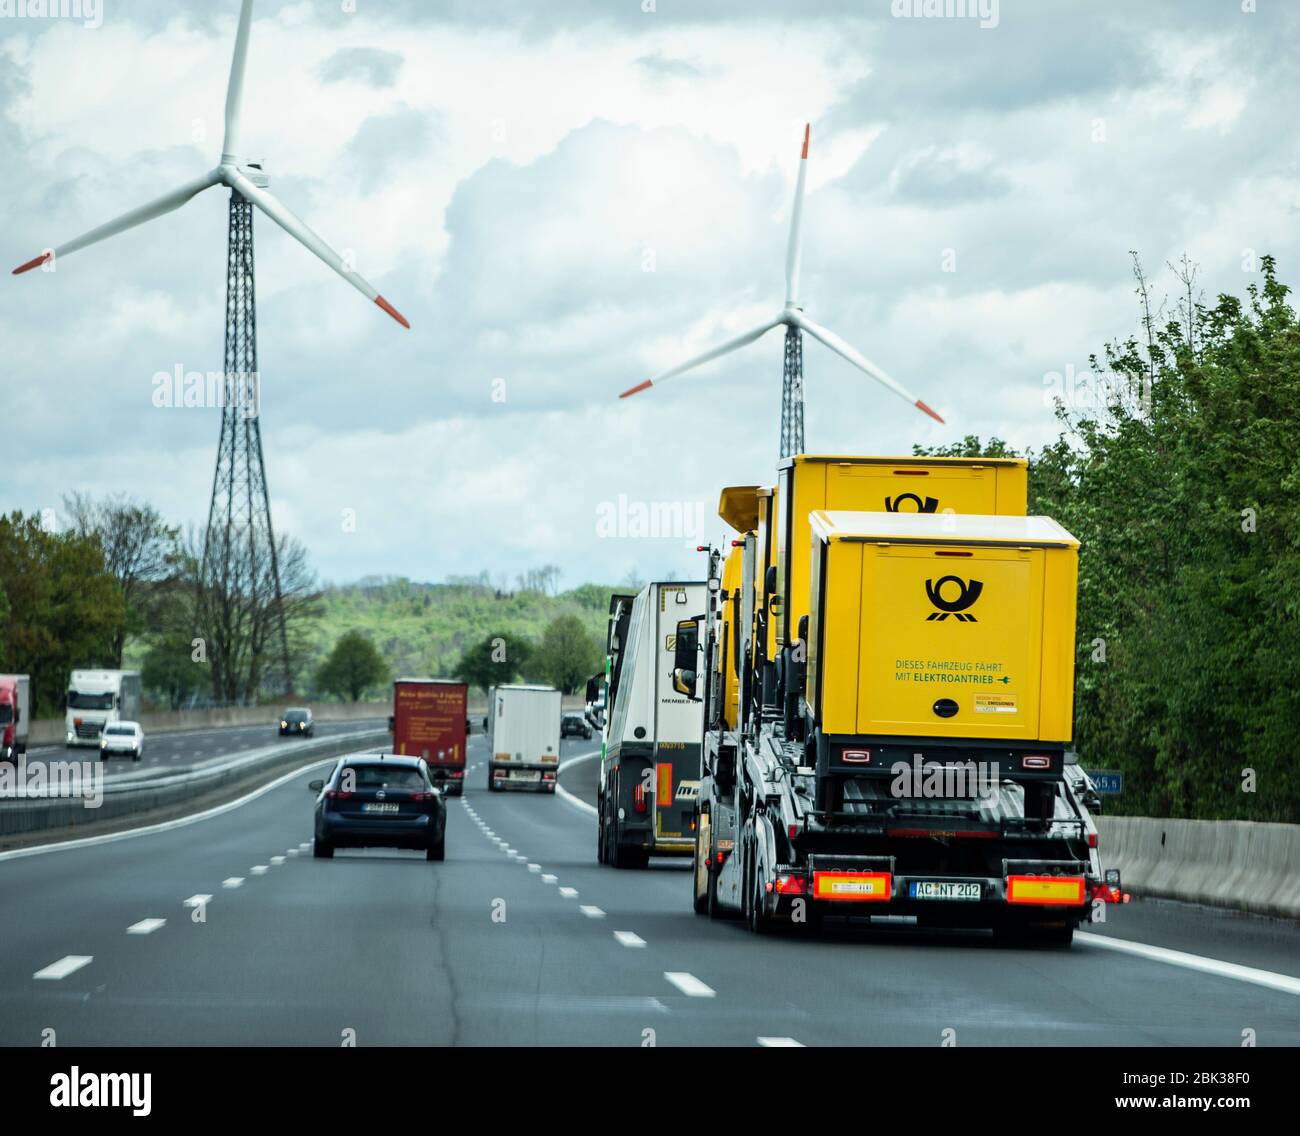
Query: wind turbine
{"type": "Point", "coordinates": [791, 315]}
{"type": "Point", "coordinates": [244, 178]}
{"type": "Point", "coordinates": [241, 601]}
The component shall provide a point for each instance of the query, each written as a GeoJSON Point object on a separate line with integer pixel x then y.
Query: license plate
{"type": "Point", "coordinates": [943, 889]}
{"type": "Point", "coordinates": [525, 775]}
{"type": "Point", "coordinates": [378, 808]}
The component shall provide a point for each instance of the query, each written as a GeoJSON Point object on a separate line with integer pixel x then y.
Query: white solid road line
{"type": "Point", "coordinates": [591, 912]}
{"type": "Point", "coordinates": [233, 882]}
{"type": "Point", "coordinates": [1284, 982]}
{"type": "Point", "coordinates": [688, 984]}
{"type": "Point", "coordinates": [167, 825]}
{"type": "Point", "coordinates": [780, 1043]}
{"type": "Point", "coordinates": [564, 793]}
{"type": "Point", "coordinates": [146, 926]}
{"type": "Point", "coordinates": [629, 938]}
{"type": "Point", "coordinates": [64, 967]}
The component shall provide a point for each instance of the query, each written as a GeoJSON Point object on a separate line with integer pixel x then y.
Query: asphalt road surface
{"type": "Point", "coordinates": [227, 932]}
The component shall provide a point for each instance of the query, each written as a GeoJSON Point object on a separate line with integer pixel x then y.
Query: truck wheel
{"type": "Point", "coordinates": [600, 832]}
{"type": "Point", "coordinates": [759, 921]}
{"type": "Point", "coordinates": [630, 857]}
{"type": "Point", "coordinates": [321, 850]}
{"type": "Point", "coordinates": [700, 895]}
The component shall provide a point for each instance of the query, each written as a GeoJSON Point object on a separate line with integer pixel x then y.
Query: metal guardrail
{"type": "Point", "coordinates": [144, 790]}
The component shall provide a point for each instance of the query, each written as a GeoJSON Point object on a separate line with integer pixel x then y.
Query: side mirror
{"type": "Point", "coordinates": [315, 786]}
{"type": "Point", "coordinates": [686, 650]}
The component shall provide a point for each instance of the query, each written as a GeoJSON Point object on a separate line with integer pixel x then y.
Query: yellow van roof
{"type": "Point", "coordinates": [901, 462]}
{"type": "Point", "coordinates": [738, 506]}
{"type": "Point", "coordinates": [941, 528]}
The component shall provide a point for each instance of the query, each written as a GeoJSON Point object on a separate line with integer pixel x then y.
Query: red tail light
{"type": "Point", "coordinates": [457, 774]}
{"type": "Point", "coordinates": [422, 796]}
{"type": "Point", "coordinates": [548, 776]}
{"type": "Point", "coordinates": [338, 795]}
{"type": "Point", "coordinates": [638, 797]}
{"type": "Point", "coordinates": [791, 885]}
{"type": "Point", "coordinates": [1092, 840]}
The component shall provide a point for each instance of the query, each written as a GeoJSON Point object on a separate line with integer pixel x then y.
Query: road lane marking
{"type": "Point", "coordinates": [291, 851]}
{"type": "Point", "coordinates": [1283, 982]}
{"type": "Point", "coordinates": [629, 938]}
{"type": "Point", "coordinates": [569, 893]}
{"type": "Point", "coordinates": [305, 845]}
{"type": "Point", "coordinates": [145, 926]}
{"type": "Point", "coordinates": [64, 967]}
{"type": "Point", "coordinates": [197, 901]}
{"type": "Point", "coordinates": [591, 912]}
{"type": "Point", "coordinates": [534, 868]}
{"type": "Point", "coordinates": [167, 825]}
{"type": "Point", "coordinates": [277, 859]}
{"type": "Point", "coordinates": [233, 882]}
{"type": "Point", "coordinates": [258, 869]}
{"type": "Point", "coordinates": [564, 793]}
{"type": "Point", "coordinates": [780, 1043]}
{"type": "Point", "coordinates": [689, 985]}
{"type": "Point", "coordinates": [549, 879]}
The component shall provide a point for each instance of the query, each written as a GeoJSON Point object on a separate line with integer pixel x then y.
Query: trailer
{"type": "Point", "coordinates": [899, 747]}
{"type": "Point", "coordinates": [15, 715]}
{"type": "Point", "coordinates": [523, 737]}
{"type": "Point", "coordinates": [429, 721]}
{"type": "Point", "coordinates": [650, 761]}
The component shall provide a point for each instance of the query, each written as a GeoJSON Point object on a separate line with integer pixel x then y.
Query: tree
{"type": "Point", "coordinates": [352, 668]}
{"type": "Point", "coordinates": [494, 660]}
{"type": "Point", "coordinates": [172, 672]}
{"type": "Point", "coordinates": [65, 608]}
{"type": "Point", "coordinates": [567, 655]}
{"type": "Point", "coordinates": [1178, 472]}
{"type": "Point", "coordinates": [139, 550]}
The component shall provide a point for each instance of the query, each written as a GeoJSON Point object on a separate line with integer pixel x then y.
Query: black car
{"type": "Point", "coordinates": [297, 722]}
{"type": "Point", "coordinates": [574, 726]}
{"type": "Point", "coordinates": [379, 801]}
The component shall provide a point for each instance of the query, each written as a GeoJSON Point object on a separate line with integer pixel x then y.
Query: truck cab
{"type": "Point", "coordinates": [97, 697]}
{"type": "Point", "coordinates": [15, 715]}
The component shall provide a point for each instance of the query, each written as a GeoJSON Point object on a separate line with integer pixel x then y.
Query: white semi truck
{"type": "Point", "coordinates": [523, 737]}
{"type": "Point", "coordinates": [97, 697]}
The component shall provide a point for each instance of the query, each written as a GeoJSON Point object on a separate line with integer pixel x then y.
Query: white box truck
{"type": "Point", "coordinates": [97, 697]}
{"type": "Point", "coordinates": [650, 765]}
{"type": "Point", "coordinates": [523, 737]}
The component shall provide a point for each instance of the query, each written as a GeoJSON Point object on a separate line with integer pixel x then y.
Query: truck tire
{"type": "Point", "coordinates": [438, 850]}
{"type": "Point", "coordinates": [629, 857]}
{"type": "Point", "coordinates": [600, 831]}
{"type": "Point", "coordinates": [759, 921]}
{"type": "Point", "coordinates": [700, 896]}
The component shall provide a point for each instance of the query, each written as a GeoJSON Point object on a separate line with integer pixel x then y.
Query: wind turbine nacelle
{"type": "Point", "coordinates": [254, 172]}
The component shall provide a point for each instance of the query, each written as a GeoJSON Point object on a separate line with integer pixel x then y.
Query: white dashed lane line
{"type": "Point", "coordinates": [689, 985]}
{"type": "Point", "coordinates": [67, 965]}
{"type": "Point", "coordinates": [233, 882]}
{"type": "Point", "coordinates": [569, 893]}
{"type": "Point", "coordinates": [591, 912]}
{"type": "Point", "coordinates": [258, 869]}
{"type": "Point", "coordinates": [780, 1043]}
{"type": "Point", "coordinates": [196, 900]}
{"type": "Point", "coordinates": [146, 926]}
{"type": "Point", "coordinates": [629, 938]}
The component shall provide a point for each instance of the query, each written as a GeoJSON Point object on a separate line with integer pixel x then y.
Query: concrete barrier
{"type": "Point", "coordinates": [1228, 863]}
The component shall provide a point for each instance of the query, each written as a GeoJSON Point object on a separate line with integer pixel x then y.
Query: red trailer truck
{"type": "Point", "coordinates": [14, 716]}
{"type": "Point", "coordinates": [429, 718]}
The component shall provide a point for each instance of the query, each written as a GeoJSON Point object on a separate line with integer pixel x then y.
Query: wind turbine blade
{"type": "Point", "coordinates": [298, 229]}
{"type": "Point", "coordinates": [842, 349]}
{"type": "Point", "coordinates": [157, 208]}
{"type": "Point", "coordinates": [705, 357]}
{"type": "Point", "coordinates": [794, 250]}
{"type": "Point", "coordinates": [235, 88]}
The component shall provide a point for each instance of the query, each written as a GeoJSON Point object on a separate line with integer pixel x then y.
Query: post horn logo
{"type": "Point", "coordinates": [929, 505]}
{"type": "Point", "coordinates": [968, 591]}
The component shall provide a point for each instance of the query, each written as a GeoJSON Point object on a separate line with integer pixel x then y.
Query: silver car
{"type": "Point", "coordinates": [120, 739]}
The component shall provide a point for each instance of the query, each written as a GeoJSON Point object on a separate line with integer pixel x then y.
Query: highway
{"type": "Point", "coordinates": [173, 752]}
{"type": "Point", "coordinates": [227, 932]}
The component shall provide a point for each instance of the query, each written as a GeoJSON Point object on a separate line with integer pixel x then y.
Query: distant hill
{"type": "Point", "coordinates": [422, 629]}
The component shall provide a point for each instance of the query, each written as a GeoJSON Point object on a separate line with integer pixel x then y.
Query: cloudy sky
{"type": "Point", "coordinates": [565, 197]}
